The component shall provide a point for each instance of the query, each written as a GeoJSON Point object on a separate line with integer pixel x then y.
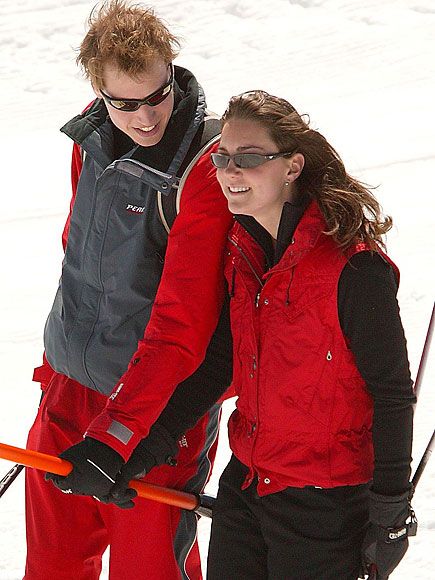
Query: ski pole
{"type": "Point", "coordinates": [423, 461]}
{"type": "Point", "coordinates": [425, 353]}
{"type": "Point", "coordinates": [420, 373]}
{"type": "Point", "coordinates": [199, 503]}
{"type": "Point", "coordinates": [8, 479]}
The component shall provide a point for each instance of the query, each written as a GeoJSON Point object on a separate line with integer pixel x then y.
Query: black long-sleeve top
{"type": "Point", "coordinates": [370, 319]}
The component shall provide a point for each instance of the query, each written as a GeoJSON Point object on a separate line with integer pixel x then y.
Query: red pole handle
{"type": "Point", "coordinates": [181, 499]}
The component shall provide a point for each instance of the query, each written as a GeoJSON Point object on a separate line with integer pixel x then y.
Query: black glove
{"type": "Point", "coordinates": [95, 466]}
{"type": "Point", "coordinates": [156, 449]}
{"type": "Point", "coordinates": [392, 520]}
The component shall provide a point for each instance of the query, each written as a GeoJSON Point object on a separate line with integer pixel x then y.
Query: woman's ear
{"type": "Point", "coordinates": [297, 162]}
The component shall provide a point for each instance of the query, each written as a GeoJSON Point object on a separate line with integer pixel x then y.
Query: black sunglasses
{"type": "Point", "coordinates": [244, 160]}
{"type": "Point", "coordinates": [152, 100]}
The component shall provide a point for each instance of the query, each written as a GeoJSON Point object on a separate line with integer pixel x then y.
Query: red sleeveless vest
{"type": "Point", "coordinates": [303, 413]}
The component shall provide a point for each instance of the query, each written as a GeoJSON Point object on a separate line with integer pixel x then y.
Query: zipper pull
{"type": "Point", "coordinates": [257, 299]}
{"type": "Point", "coordinates": [254, 367]}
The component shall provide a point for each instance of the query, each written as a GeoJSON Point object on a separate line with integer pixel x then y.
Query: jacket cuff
{"type": "Point", "coordinates": [161, 445]}
{"type": "Point", "coordinates": [115, 434]}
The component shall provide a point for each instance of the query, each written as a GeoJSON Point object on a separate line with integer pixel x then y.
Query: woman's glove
{"type": "Point", "coordinates": [157, 448]}
{"type": "Point", "coordinates": [95, 466]}
{"type": "Point", "coordinates": [392, 520]}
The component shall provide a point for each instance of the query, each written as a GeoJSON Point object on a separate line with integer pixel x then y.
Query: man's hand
{"type": "Point", "coordinates": [95, 466]}
{"type": "Point", "coordinates": [386, 539]}
{"type": "Point", "coordinates": [157, 449]}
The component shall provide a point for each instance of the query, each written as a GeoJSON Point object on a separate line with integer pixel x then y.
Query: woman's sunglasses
{"type": "Point", "coordinates": [244, 160]}
{"type": "Point", "coordinates": [152, 100]}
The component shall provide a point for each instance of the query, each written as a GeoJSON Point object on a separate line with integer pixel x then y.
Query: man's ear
{"type": "Point", "coordinates": [297, 162]}
{"type": "Point", "coordinates": [97, 91]}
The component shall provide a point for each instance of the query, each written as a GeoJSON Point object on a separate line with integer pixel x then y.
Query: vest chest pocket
{"type": "Point", "coordinates": [298, 298]}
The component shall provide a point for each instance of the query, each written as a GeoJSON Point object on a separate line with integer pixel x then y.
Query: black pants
{"type": "Point", "coordinates": [297, 534]}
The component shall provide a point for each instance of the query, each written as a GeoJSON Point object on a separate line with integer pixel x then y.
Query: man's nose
{"type": "Point", "coordinates": [146, 115]}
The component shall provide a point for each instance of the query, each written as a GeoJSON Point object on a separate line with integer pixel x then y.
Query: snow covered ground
{"type": "Point", "coordinates": [365, 72]}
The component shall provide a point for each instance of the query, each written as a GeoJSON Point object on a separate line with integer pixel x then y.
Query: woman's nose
{"type": "Point", "coordinates": [232, 167]}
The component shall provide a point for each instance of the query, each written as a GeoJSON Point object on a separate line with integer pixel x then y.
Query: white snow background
{"type": "Point", "coordinates": [364, 71]}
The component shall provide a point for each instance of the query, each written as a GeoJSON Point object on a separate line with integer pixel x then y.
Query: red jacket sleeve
{"type": "Point", "coordinates": [183, 319]}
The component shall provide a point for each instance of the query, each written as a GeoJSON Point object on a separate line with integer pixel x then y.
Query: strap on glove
{"type": "Point", "coordinates": [392, 521]}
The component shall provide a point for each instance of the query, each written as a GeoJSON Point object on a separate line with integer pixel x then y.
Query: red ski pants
{"type": "Point", "coordinates": [67, 535]}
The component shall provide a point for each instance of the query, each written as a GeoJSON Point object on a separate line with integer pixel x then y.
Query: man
{"type": "Point", "coordinates": [119, 382]}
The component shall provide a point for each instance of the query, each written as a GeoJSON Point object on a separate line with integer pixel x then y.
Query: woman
{"type": "Point", "coordinates": [322, 433]}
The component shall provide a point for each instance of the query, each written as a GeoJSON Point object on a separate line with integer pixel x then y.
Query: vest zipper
{"type": "Point", "coordinates": [251, 267]}
{"type": "Point", "coordinates": [254, 365]}
{"type": "Point", "coordinates": [233, 282]}
{"type": "Point", "coordinates": [245, 257]}
{"type": "Point", "coordinates": [254, 425]}
{"type": "Point", "coordinates": [287, 301]}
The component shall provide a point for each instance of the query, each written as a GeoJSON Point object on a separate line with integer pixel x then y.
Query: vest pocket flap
{"type": "Point", "coordinates": [298, 299]}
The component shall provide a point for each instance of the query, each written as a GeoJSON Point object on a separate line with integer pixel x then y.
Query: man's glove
{"type": "Point", "coordinates": [392, 520]}
{"type": "Point", "coordinates": [157, 449]}
{"type": "Point", "coordinates": [95, 466]}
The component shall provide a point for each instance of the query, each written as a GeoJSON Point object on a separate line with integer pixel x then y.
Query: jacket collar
{"type": "Point", "coordinates": [306, 235]}
{"type": "Point", "coordinates": [291, 215]}
{"type": "Point", "coordinates": [300, 225]}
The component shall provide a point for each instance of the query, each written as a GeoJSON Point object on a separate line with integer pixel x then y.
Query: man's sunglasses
{"type": "Point", "coordinates": [244, 160]}
{"type": "Point", "coordinates": [152, 100]}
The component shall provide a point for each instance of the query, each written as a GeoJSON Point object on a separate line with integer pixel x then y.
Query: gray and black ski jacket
{"type": "Point", "coordinates": [118, 234]}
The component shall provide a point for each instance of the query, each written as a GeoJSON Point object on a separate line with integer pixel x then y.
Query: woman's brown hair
{"type": "Point", "coordinates": [128, 35]}
{"type": "Point", "coordinates": [351, 211]}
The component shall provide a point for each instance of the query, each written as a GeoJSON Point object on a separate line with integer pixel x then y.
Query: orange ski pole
{"type": "Point", "coordinates": [201, 504]}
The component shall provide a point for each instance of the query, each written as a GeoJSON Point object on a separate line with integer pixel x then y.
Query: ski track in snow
{"type": "Point", "coordinates": [364, 71]}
